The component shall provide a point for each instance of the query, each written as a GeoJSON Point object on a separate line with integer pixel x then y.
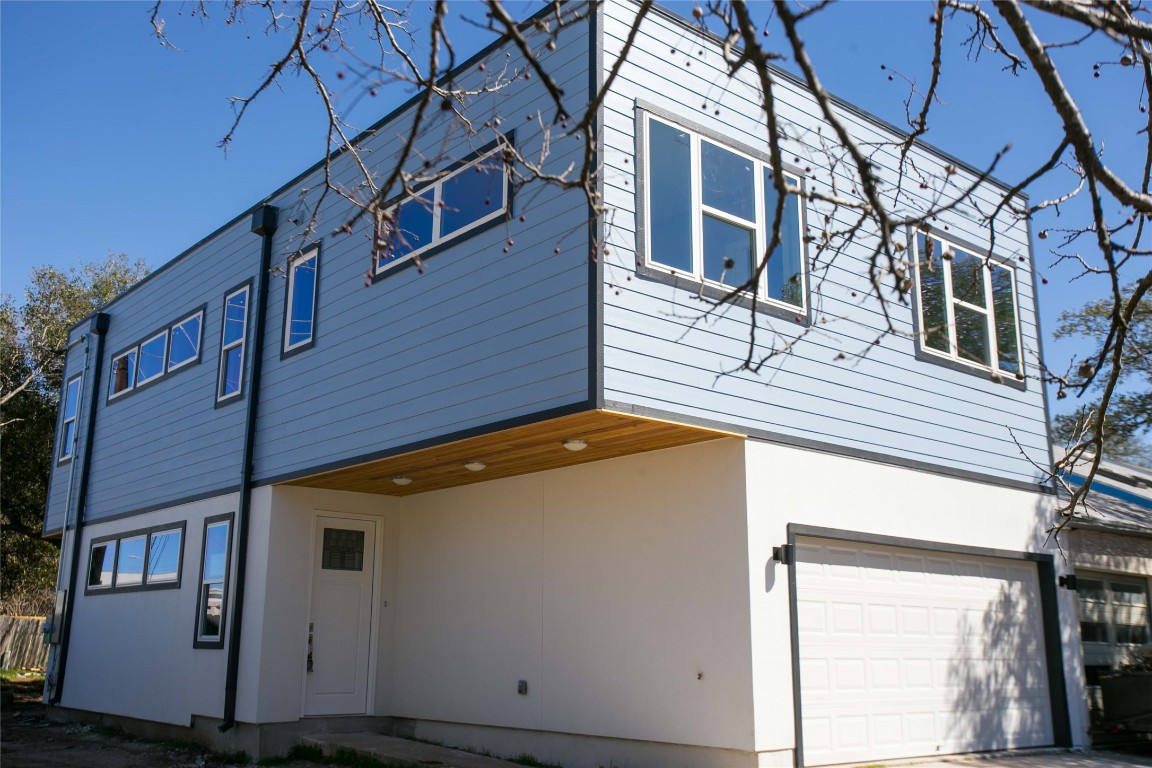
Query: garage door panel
{"type": "Point", "coordinates": [906, 653]}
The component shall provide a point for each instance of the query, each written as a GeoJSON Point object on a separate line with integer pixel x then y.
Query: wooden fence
{"type": "Point", "coordinates": [22, 643]}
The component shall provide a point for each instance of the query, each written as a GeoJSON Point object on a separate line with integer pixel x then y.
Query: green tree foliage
{"type": "Point", "coordinates": [1129, 418]}
{"type": "Point", "coordinates": [33, 341]}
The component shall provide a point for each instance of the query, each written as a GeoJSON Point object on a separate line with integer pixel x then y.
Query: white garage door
{"type": "Point", "coordinates": [905, 653]}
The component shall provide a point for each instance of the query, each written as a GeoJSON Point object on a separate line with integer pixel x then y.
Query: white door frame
{"type": "Point", "coordinates": [377, 609]}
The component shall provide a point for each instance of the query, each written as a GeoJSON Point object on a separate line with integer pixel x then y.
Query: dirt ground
{"type": "Point", "coordinates": [29, 740]}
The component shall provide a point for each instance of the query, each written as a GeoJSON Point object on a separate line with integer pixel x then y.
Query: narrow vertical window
{"type": "Point", "coordinates": [210, 604]}
{"type": "Point", "coordinates": [68, 426]}
{"type": "Point", "coordinates": [232, 343]}
{"type": "Point", "coordinates": [300, 313]}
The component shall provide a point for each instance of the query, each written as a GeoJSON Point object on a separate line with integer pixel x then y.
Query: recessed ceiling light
{"type": "Point", "coordinates": [575, 445]}
{"type": "Point", "coordinates": [475, 466]}
{"type": "Point", "coordinates": [402, 480]}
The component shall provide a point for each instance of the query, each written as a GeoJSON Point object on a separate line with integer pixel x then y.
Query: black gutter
{"type": "Point", "coordinates": [264, 220]}
{"type": "Point", "coordinates": [99, 327]}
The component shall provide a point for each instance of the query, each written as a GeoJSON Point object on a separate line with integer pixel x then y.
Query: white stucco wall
{"type": "Point", "coordinates": [131, 653]}
{"type": "Point", "coordinates": [616, 589]}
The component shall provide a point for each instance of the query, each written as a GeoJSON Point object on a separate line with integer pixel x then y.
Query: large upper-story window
{"type": "Point", "coordinates": [300, 307]}
{"type": "Point", "coordinates": [710, 212]}
{"type": "Point", "coordinates": [233, 339]}
{"type": "Point", "coordinates": [168, 350]}
{"type": "Point", "coordinates": [967, 306]}
{"type": "Point", "coordinates": [461, 201]}
{"type": "Point", "coordinates": [68, 425]}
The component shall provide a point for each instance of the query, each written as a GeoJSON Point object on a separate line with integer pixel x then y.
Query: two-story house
{"type": "Point", "coordinates": [514, 497]}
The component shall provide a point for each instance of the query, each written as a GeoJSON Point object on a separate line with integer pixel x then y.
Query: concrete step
{"type": "Point", "coordinates": [391, 748]}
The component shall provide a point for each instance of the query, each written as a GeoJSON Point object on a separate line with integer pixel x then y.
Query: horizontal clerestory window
{"type": "Point", "coordinates": [967, 307]}
{"type": "Point", "coordinates": [166, 351]}
{"type": "Point", "coordinates": [710, 212]}
{"type": "Point", "coordinates": [137, 560]}
{"type": "Point", "coordinates": [460, 202]}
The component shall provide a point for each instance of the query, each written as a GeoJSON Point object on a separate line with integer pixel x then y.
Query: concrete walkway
{"type": "Point", "coordinates": [1052, 759]}
{"type": "Point", "coordinates": [390, 748]}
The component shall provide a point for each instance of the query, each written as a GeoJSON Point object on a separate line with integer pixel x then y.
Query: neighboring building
{"type": "Point", "coordinates": [831, 561]}
{"type": "Point", "coordinates": [1110, 546]}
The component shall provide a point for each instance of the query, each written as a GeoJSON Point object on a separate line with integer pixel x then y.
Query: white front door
{"type": "Point", "coordinates": [340, 618]}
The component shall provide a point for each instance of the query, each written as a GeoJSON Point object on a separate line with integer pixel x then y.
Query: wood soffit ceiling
{"type": "Point", "coordinates": [510, 452]}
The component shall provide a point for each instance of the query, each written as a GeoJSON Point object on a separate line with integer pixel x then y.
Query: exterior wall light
{"type": "Point", "coordinates": [475, 466]}
{"type": "Point", "coordinates": [402, 480]}
{"type": "Point", "coordinates": [575, 445]}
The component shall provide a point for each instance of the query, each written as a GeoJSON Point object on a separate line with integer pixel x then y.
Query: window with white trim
{"type": "Point", "coordinates": [211, 601]}
{"type": "Point", "coordinates": [967, 306]}
{"type": "Point", "coordinates": [136, 560]}
{"type": "Point", "coordinates": [123, 372]}
{"type": "Point", "coordinates": [164, 352]}
{"type": "Point", "coordinates": [300, 307]}
{"type": "Point", "coordinates": [233, 339]}
{"type": "Point", "coordinates": [184, 342]}
{"type": "Point", "coordinates": [710, 212]}
{"type": "Point", "coordinates": [459, 202]}
{"type": "Point", "coordinates": [150, 361]}
{"type": "Point", "coordinates": [68, 425]}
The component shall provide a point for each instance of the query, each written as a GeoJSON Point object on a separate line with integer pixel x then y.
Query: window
{"type": "Point", "coordinates": [123, 373]}
{"type": "Point", "coordinates": [150, 364]}
{"type": "Point", "coordinates": [232, 342]}
{"type": "Point", "coordinates": [68, 425]}
{"type": "Point", "coordinates": [460, 202]}
{"type": "Point", "coordinates": [163, 352]}
{"type": "Point", "coordinates": [101, 565]}
{"type": "Point", "coordinates": [136, 560]}
{"type": "Point", "coordinates": [300, 310]}
{"type": "Point", "coordinates": [211, 601]}
{"type": "Point", "coordinates": [185, 342]}
{"type": "Point", "coordinates": [710, 211]}
{"type": "Point", "coordinates": [343, 550]}
{"type": "Point", "coordinates": [967, 306]}
{"type": "Point", "coordinates": [1113, 611]}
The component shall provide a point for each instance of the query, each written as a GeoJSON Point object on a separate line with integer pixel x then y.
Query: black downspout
{"type": "Point", "coordinates": [264, 221]}
{"type": "Point", "coordinates": [99, 327]}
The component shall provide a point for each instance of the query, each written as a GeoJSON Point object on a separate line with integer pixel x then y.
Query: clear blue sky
{"type": "Point", "coordinates": [108, 141]}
